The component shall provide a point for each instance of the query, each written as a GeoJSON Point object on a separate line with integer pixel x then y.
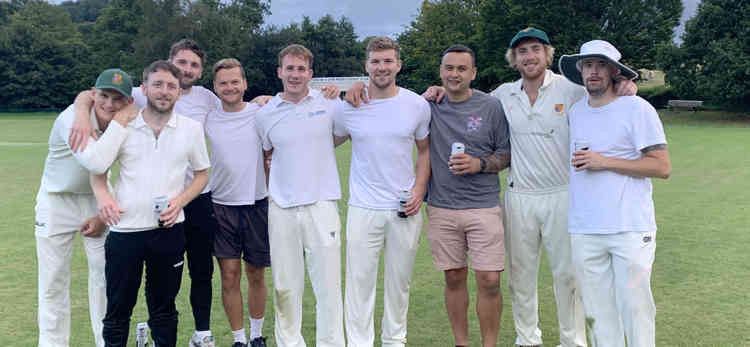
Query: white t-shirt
{"type": "Point", "coordinates": [196, 105]}
{"type": "Point", "coordinates": [303, 165]}
{"type": "Point", "coordinates": [383, 134]}
{"type": "Point", "coordinates": [151, 167]}
{"type": "Point", "coordinates": [66, 171]}
{"type": "Point", "coordinates": [539, 133]}
{"type": "Point", "coordinates": [237, 174]}
{"type": "Point", "coordinates": [604, 202]}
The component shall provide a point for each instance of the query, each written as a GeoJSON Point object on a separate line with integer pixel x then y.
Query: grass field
{"type": "Point", "coordinates": [700, 279]}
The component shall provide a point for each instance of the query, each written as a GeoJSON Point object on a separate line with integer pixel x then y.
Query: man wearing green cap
{"type": "Point", "coordinates": [536, 201]}
{"type": "Point", "coordinates": [65, 205]}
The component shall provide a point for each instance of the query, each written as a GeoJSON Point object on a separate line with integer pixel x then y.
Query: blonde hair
{"type": "Point", "coordinates": [549, 52]}
{"type": "Point", "coordinates": [297, 51]}
{"type": "Point", "coordinates": [228, 63]}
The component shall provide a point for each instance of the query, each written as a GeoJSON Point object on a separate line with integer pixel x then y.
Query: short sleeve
{"type": "Point", "coordinates": [424, 114]}
{"type": "Point", "coordinates": [647, 127]}
{"type": "Point", "coordinates": [260, 128]}
{"type": "Point", "coordinates": [502, 132]}
{"type": "Point", "coordinates": [340, 114]}
{"type": "Point", "coordinates": [198, 157]}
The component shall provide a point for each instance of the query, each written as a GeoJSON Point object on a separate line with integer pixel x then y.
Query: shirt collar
{"type": "Point", "coordinates": [311, 95]}
{"type": "Point", "coordinates": [140, 123]}
{"type": "Point", "coordinates": [518, 85]}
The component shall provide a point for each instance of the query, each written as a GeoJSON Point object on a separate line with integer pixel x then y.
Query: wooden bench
{"type": "Point", "coordinates": [685, 104]}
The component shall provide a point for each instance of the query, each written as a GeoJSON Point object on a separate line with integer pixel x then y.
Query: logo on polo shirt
{"type": "Point", "coordinates": [559, 108]}
{"type": "Point", "coordinates": [316, 113]}
{"type": "Point", "coordinates": [473, 124]}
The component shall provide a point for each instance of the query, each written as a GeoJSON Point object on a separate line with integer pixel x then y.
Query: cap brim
{"type": "Point", "coordinates": [567, 66]}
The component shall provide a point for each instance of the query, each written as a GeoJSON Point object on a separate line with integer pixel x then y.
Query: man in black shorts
{"type": "Point", "coordinates": [239, 200]}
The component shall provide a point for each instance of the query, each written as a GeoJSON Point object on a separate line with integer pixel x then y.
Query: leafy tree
{"type": "Point", "coordinates": [333, 43]}
{"type": "Point", "coordinates": [42, 53]}
{"type": "Point", "coordinates": [713, 62]}
{"type": "Point", "coordinates": [111, 37]}
{"type": "Point", "coordinates": [84, 10]}
{"type": "Point", "coordinates": [636, 27]}
{"type": "Point", "coordinates": [438, 25]}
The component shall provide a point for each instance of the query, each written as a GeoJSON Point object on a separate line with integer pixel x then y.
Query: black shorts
{"type": "Point", "coordinates": [243, 233]}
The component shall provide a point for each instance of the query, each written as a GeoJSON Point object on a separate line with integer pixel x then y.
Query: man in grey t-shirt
{"type": "Point", "coordinates": [463, 194]}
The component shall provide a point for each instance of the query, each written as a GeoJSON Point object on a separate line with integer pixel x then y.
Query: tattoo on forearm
{"type": "Point", "coordinates": [654, 147]}
{"type": "Point", "coordinates": [496, 163]}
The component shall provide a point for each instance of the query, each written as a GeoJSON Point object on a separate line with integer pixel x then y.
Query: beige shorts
{"type": "Point", "coordinates": [454, 234]}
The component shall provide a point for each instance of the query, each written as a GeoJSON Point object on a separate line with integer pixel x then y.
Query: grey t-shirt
{"type": "Point", "coordinates": [479, 123]}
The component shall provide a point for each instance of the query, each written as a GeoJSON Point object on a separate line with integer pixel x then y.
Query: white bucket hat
{"type": "Point", "coordinates": [597, 48]}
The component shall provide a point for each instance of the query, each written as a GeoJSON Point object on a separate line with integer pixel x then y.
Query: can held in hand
{"type": "Point", "coordinates": [581, 145]}
{"type": "Point", "coordinates": [403, 197]}
{"type": "Point", "coordinates": [160, 204]}
{"type": "Point", "coordinates": [457, 148]}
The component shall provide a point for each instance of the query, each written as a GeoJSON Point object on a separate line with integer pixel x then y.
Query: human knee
{"type": "Point", "coordinates": [230, 279]}
{"type": "Point", "coordinates": [488, 283]}
{"type": "Point", "coordinates": [455, 279]}
{"type": "Point", "coordinates": [256, 277]}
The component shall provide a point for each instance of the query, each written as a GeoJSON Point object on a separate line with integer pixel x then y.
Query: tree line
{"type": "Point", "coordinates": [51, 51]}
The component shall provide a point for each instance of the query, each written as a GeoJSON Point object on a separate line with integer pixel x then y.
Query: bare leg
{"type": "Point", "coordinates": [489, 306]}
{"type": "Point", "coordinates": [231, 295]}
{"type": "Point", "coordinates": [457, 304]}
{"type": "Point", "coordinates": [256, 290]}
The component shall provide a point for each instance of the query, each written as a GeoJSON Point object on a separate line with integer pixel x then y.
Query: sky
{"type": "Point", "coordinates": [376, 18]}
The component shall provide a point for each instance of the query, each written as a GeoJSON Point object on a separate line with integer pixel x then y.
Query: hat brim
{"type": "Point", "coordinates": [567, 66]}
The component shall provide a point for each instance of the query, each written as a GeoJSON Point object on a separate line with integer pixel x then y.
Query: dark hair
{"type": "Point", "coordinates": [459, 48]}
{"type": "Point", "coordinates": [189, 45]}
{"type": "Point", "coordinates": [162, 65]}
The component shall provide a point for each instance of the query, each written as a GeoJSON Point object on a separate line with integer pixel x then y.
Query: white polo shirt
{"type": "Point", "coordinates": [196, 106]}
{"type": "Point", "coordinates": [152, 167]}
{"type": "Point", "coordinates": [237, 174]}
{"type": "Point", "coordinates": [66, 171]}
{"type": "Point", "coordinates": [604, 202]}
{"type": "Point", "coordinates": [303, 166]}
{"type": "Point", "coordinates": [383, 134]}
{"type": "Point", "coordinates": [539, 133]}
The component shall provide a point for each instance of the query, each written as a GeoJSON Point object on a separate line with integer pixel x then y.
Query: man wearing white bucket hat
{"type": "Point", "coordinates": [617, 144]}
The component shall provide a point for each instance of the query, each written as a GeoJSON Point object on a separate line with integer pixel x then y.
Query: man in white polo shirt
{"type": "Point", "coordinates": [383, 134]}
{"type": "Point", "coordinates": [617, 144]}
{"type": "Point", "coordinates": [146, 213]}
{"type": "Point", "coordinates": [65, 205]}
{"type": "Point", "coordinates": [303, 221]}
{"type": "Point", "coordinates": [238, 182]}
{"type": "Point", "coordinates": [195, 102]}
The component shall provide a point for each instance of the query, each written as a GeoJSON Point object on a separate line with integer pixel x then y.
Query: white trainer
{"type": "Point", "coordinates": [197, 341]}
{"type": "Point", "coordinates": [141, 334]}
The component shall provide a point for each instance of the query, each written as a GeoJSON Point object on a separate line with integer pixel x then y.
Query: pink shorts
{"type": "Point", "coordinates": [454, 234]}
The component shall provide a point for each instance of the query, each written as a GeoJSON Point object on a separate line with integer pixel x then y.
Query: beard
{"type": "Point", "coordinates": [385, 84]}
{"type": "Point", "coordinates": [160, 109]}
{"type": "Point", "coordinates": [598, 90]}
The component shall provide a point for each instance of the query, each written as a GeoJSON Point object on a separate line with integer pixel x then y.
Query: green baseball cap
{"type": "Point", "coordinates": [529, 32]}
{"type": "Point", "coordinates": [115, 79]}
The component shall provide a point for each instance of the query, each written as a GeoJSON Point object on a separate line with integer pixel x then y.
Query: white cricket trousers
{"type": "Point", "coordinates": [615, 275]}
{"type": "Point", "coordinates": [58, 220]}
{"type": "Point", "coordinates": [534, 220]}
{"type": "Point", "coordinates": [309, 233]}
{"type": "Point", "coordinates": [368, 231]}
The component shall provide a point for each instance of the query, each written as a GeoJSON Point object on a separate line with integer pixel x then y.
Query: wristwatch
{"type": "Point", "coordinates": [482, 164]}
